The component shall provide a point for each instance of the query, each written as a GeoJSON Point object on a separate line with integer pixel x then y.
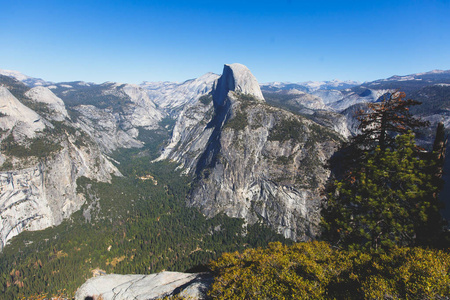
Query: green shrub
{"type": "Point", "coordinates": [287, 129]}
{"type": "Point", "coordinates": [314, 270]}
{"type": "Point", "coordinates": [39, 147]}
{"type": "Point", "coordinates": [206, 99]}
{"type": "Point", "coordinates": [238, 122]}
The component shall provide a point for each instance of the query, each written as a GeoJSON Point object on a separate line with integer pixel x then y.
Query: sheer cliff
{"type": "Point", "coordinates": [252, 160]}
{"type": "Point", "coordinates": [42, 155]}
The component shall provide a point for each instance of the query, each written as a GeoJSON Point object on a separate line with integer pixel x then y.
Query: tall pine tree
{"type": "Point", "coordinates": [387, 192]}
{"type": "Point", "coordinates": [387, 201]}
{"type": "Point", "coordinates": [379, 124]}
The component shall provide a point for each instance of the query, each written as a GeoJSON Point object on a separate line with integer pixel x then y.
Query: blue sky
{"type": "Point", "coordinates": [285, 40]}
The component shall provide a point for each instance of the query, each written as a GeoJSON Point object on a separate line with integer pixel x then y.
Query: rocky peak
{"type": "Point", "coordinates": [245, 164]}
{"type": "Point", "coordinates": [237, 78]}
{"type": "Point", "coordinates": [16, 115]}
{"type": "Point", "coordinates": [44, 95]}
{"type": "Point", "coordinates": [27, 80]}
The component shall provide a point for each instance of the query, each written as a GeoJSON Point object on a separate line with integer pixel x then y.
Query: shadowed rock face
{"type": "Point", "coordinates": [199, 125]}
{"type": "Point", "coordinates": [237, 78]}
{"type": "Point", "coordinates": [154, 286]}
{"type": "Point", "coordinates": [254, 170]}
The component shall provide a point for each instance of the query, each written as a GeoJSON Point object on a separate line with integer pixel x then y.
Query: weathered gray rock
{"type": "Point", "coordinates": [172, 97]}
{"type": "Point", "coordinates": [146, 287]}
{"type": "Point", "coordinates": [237, 78]}
{"type": "Point", "coordinates": [56, 106]}
{"type": "Point", "coordinates": [16, 115]}
{"type": "Point", "coordinates": [44, 192]}
{"type": "Point", "coordinates": [29, 81]}
{"type": "Point", "coordinates": [117, 115]}
{"type": "Point", "coordinates": [105, 128]}
{"type": "Point", "coordinates": [251, 172]}
{"type": "Point", "coordinates": [245, 162]}
{"type": "Point", "coordinates": [307, 100]}
{"type": "Point", "coordinates": [143, 112]}
{"type": "Point", "coordinates": [190, 135]}
{"type": "Point", "coordinates": [335, 121]}
{"type": "Point", "coordinates": [370, 95]}
{"type": "Point", "coordinates": [329, 96]}
{"type": "Point", "coordinates": [37, 190]}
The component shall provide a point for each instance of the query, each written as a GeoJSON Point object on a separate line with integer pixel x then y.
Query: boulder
{"type": "Point", "coordinates": [140, 287]}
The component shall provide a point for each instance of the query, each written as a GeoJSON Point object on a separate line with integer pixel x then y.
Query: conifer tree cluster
{"type": "Point", "coordinates": [387, 195]}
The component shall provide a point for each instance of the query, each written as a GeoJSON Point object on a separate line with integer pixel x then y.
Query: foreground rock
{"type": "Point", "coordinates": [154, 286]}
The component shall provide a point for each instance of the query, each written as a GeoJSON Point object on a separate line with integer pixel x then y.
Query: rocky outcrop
{"type": "Point", "coordinates": [266, 165]}
{"type": "Point", "coordinates": [113, 114]}
{"type": "Point", "coordinates": [195, 125]}
{"type": "Point", "coordinates": [13, 114]}
{"type": "Point", "coordinates": [329, 96]}
{"type": "Point", "coordinates": [191, 134]}
{"type": "Point", "coordinates": [143, 112]}
{"type": "Point", "coordinates": [237, 78]}
{"type": "Point", "coordinates": [154, 286]}
{"type": "Point", "coordinates": [335, 121]}
{"type": "Point", "coordinates": [105, 128]}
{"type": "Point", "coordinates": [306, 100]}
{"type": "Point", "coordinates": [251, 160]}
{"type": "Point", "coordinates": [56, 108]}
{"type": "Point", "coordinates": [40, 162]}
{"type": "Point", "coordinates": [172, 97]}
{"type": "Point", "coordinates": [44, 193]}
{"type": "Point", "coordinates": [352, 98]}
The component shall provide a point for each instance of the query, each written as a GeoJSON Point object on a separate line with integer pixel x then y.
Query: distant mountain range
{"type": "Point", "coordinates": [310, 86]}
{"type": "Point", "coordinates": [116, 115]}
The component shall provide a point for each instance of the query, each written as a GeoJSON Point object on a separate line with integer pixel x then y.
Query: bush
{"type": "Point", "coordinates": [206, 99]}
{"type": "Point", "coordinates": [38, 147]}
{"type": "Point", "coordinates": [287, 129]}
{"type": "Point", "coordinates": [316, 271]}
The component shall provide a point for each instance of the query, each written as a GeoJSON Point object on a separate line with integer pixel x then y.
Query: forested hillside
{"type": "Point", "coordinates": [137, 224]}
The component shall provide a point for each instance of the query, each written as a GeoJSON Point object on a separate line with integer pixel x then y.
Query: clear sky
{"type": "Point", "coordinates": [284, 40]}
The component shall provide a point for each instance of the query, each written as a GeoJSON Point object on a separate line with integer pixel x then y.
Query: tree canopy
{"type": "Point", "coordinates": [379, 124]}
{"type": "Point", "coordinates": [387, 201]}
{"type": "Point", "coordinates": [384, 120]}
{"type": "Point", "coordinates": [387, 192]}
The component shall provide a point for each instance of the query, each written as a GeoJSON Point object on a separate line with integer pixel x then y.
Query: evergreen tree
{"type": "Point", "coordinates": [386, 201]}
{"type": "Point", "coordinates": [379, 124]}
{"type": "Point", "coordinates": [386, 119]}
{"type": "Point", "coordinates": [388, 186]}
